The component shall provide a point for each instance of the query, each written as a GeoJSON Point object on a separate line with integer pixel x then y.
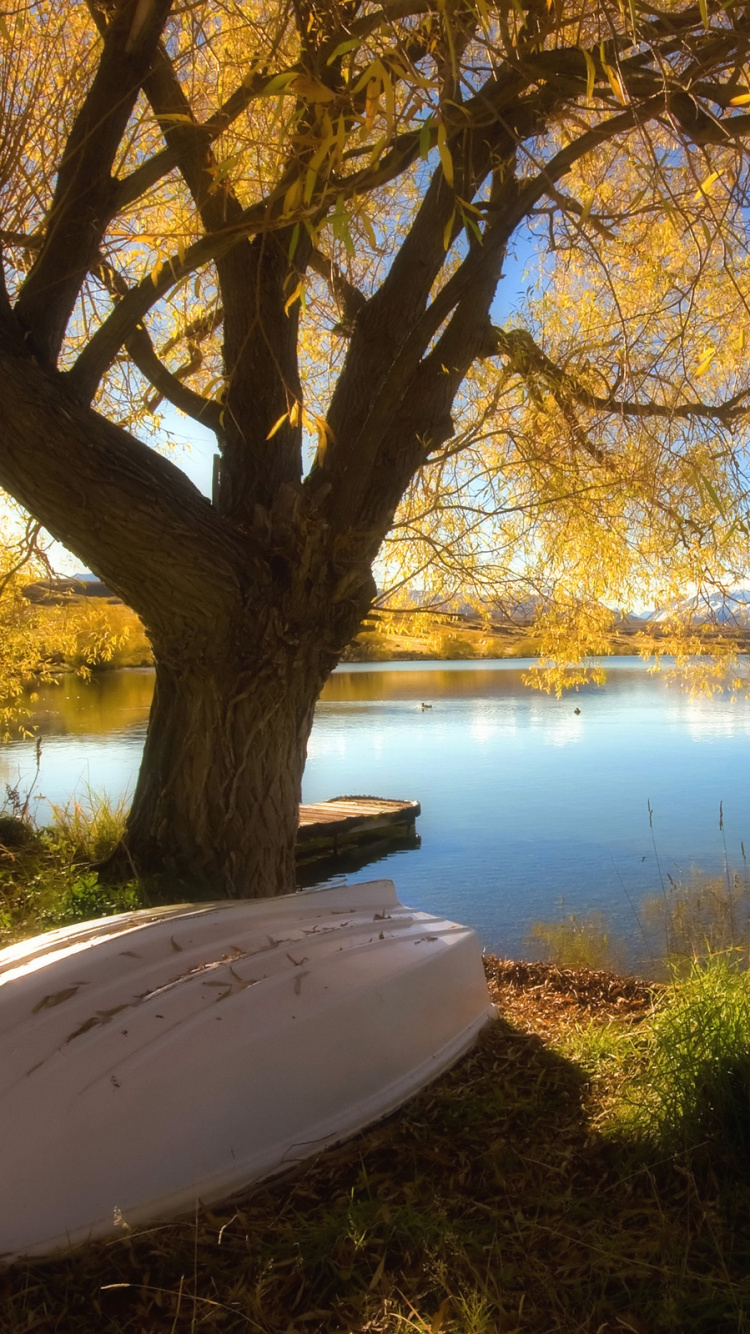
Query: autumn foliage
{"type": "Point", "coordinates": [290, 221]}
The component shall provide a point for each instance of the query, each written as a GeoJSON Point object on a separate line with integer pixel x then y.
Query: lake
{"type": "Point", "coordinates": [530, 810]}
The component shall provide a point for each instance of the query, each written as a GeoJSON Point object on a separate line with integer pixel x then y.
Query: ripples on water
{"type": "Point", "coordinates": [529, 810]}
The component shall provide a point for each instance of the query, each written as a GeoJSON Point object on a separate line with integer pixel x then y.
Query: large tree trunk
{"type": "Point", "coordinates": [219, 787]}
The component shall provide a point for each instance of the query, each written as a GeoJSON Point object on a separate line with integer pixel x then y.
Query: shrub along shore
{"type": "Point", "coordinates": [585, 1168]}
{"type": "Point", "coordinates": [102, 634]}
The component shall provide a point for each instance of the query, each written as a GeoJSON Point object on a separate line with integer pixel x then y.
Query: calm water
{"type": "Point", "coordinates": [530, 811]}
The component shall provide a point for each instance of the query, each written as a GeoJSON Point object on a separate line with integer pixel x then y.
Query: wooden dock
{"type": "Point", "coordinates": [330, 828]}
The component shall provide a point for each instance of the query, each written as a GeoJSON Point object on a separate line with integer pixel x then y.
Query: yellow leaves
{"type": "Point", "coordinates": [279, 84]}
{"type": "Point", "coordinates": [378, 82]}
{"type": "Point", "coordinates": [613, 75]}
{"type": "Point", "coordinates": [295, 296]}
{"type": "Point", "coordinates": [590, 75]}
{"type": "Point", "coordinates": [277, 425]}
{"type": "Point", "coordinates": [340, 141]}
{"type": "Point", "coordinates": [156, 270]}
{"type": "Point", "coordinates": [223, 169]}
{"type": "Point", "coordinates": [704, 188]}
{"type": "Point", "coordinates": [375, 72]}
{"type": "Point", "coordinates": [350, 45]}
{"type": "Point", "coordinates": [340, 227]}
{"type": "Point", "coordinates": [296, 415]}
{"type": "Point", "coordinates": [310, 90]}
{"type": "Point", "coordinates": [711, 491]}
{"type": "Point", "coordinates": [293, 416]}
{"type": "Point", "coordinates": [293, 196]}
{"type": "Point", "coordinates": [446, 160]}
{"type": "Point", "coordinates": [707, 357]}
{"type": "Point", "coordinates": [372, 103]}
{"type": "Point", "coordinates": [367, 228]}
{"type": "Point", "coordinates": [326, 436]}
{"type": "Point", "coordinates": [425, 139]}
{"type": "Point", "coordinates": [175, 118]}
{"type": "Point", "coordinates": [448, 231]}
{"type": "Point", "coordinates": [311, 177]}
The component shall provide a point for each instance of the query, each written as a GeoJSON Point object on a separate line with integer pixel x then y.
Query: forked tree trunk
{"type": "Point", "coordinates": [218, 792]}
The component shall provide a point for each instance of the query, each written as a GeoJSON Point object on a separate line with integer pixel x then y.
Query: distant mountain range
{"type": "Point", "coordinates": [722, 608]}
{"type": "Point", "coordinates": [729, 609]}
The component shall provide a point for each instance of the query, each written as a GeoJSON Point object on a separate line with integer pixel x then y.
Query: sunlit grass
{"type": "Point", "coordinates": [490, 1204]}
{"type": "Point", "coordinates": [90, 829]}
{"type": "Point", "coordinates": [700, 916]}
{"type": "Point", "coordinates": [48, 876]}
{"type": "Point", "coordinates": [577, 941]}
{"type": "Point", "coordinates": [691, 1086]}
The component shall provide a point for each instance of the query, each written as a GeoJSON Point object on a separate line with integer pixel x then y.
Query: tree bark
{"type": "Point", "coordinates": [219, 788]}
{"type": "Point", "coordinates": [245, 626]}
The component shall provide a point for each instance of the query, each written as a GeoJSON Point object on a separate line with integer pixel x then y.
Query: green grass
{"type": "Point", "coordinates": [47, 876]}
{"type": "Point", "coordinates": [88, 830]}
{"type": "Point", "coordinates": [700, 916]}
{"type": "Point", "coordinates": [690, 1087]}
{"type": "Point", "coordinates": [490, 1204]}
{"type": "Point", "coordinates": [577, 941]}
{"type": "Point", "coordinates": [694, 917]}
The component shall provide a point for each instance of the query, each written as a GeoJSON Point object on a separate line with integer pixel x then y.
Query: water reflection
{"type": "Point", "coordinates": [530, 810]}
{"type": "Point", "coordinates": [110, 702]}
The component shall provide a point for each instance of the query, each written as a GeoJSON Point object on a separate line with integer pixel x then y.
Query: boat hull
{"type": "Point", "coordinates": [160, 1058]}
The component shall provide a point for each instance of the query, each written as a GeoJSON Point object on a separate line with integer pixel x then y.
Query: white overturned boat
{"type": "Point", "coordinates": [158, 1058]}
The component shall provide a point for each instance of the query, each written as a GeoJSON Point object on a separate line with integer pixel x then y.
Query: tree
{"type": "Point", "coordinates": [23, 654]}
{"type": "Point", "coordinates": [38, 641]}
{"type": "Point", "coordinates": [289, 220]}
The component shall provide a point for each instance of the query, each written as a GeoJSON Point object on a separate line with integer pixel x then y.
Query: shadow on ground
{"type": "Point", "coordinates": [487, 1204]}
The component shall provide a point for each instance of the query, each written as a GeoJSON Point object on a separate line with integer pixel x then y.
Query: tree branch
{"type": "Point", "coordinates": [266, 216]}
{"type": "Point", "coordinates": [348, 297]}
{"type": "Point", "coordinates": [115, 502]}
{"type": "Point", "coordinates": [85, 194]}
{"type": "Point", "coordinates": [195, 330]}
{"type": "Point", "coordinates": [527, 359]}
{"type": "Point", "coordinates": [530, 362]}
{"type": "Point", "coordinates": [143, 354]}
{"type": "Point", "coordinates": [168, 384]}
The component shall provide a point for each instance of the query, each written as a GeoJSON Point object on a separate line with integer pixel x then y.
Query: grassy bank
{"type": "Point", "coordinates": [47, 876]}
{"type": "Point", "coordinates": [447, 637]}
{"type": "Point", "coordinates": [585, 1168]}
{"type": "Point", "coordinates": [509, 1196]}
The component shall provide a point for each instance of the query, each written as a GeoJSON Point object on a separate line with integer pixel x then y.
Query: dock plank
{"type": "Point", "coordinates": [325, 827]}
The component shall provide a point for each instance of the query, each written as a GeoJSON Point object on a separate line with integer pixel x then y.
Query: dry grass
{"type": "Point", "coordinates": [491, 1202]}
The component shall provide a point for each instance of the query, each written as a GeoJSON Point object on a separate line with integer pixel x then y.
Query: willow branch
{"type": "Point", "coordinates": [168, 384]}
{"type": "Point", "coordinates": [526, 358]}
{"type": "Point", "coordinates": [348, 297]}
{"type": "Point", "coordinates": [85, 195]}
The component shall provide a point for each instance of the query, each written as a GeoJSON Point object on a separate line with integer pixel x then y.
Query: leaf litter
{"type": "Point", "coordinates": [490, 1204]}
